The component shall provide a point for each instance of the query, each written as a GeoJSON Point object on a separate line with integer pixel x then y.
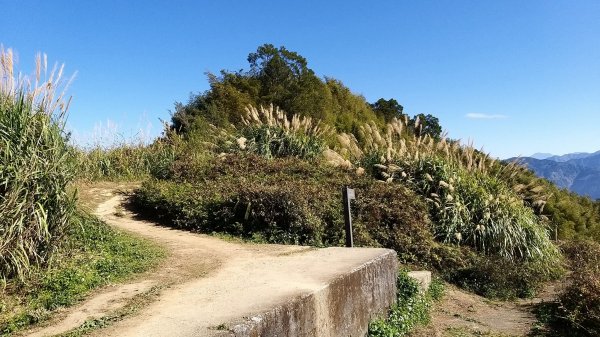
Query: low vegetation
{"type": "Point", "coordinates": [411, 309]}
{"type": "Point", "coordinates": [277, 178]}
{"type": "Point", "coordinates": [91, 255]}
{"type": "Point", "coordinates": [285, 200]}
{"type": "Point", "coordinates": [580, 300]}
{"type": "Point", "coordinates": [124, 162]}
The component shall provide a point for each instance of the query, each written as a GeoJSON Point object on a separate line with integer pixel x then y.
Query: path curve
{"type": "Point", "coordinates": [207, 282]}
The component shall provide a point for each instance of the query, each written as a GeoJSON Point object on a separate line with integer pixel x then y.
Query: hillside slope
{"type": "Point", "coordinates": [579, 172]}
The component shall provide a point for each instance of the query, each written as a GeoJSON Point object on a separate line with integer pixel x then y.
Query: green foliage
{"type": "Point", "coordinates": [468, 203]}
{"type": "Point", "coordinates": [426, 125]}
{"type": "Point", "coordinates": [479, 210]}
{"type": "Point", "coordinates": [381, 210]}
{"type": "Point", "coordinates": [35, 168]}
{"type": "Point", "coordinates": [411, 309]}
{"type": "Point", "coordinates": [279, 77]}
{"type": "Point", "coordinates": [499, 278]}
{"type": "Point", "coordinates": [569, 216]}
{"type": "Point", "coordinates": [348, 110]}
{"type": "Point", "coordinates": [482, 222]}
{"type": "Point", "coordinates": [272, 142]}
{"type": "Point", "coordinates": [286, 201]}
{"type": "Point", "coordinates": [270, 133]}
{"type": "Point", "coordinates": [389, 109]}
{"type": "Point", "coordinates": [580, 300]}
{"type": "Point", "coordinates": [419, 125]}
{"type": "Point", "coordinates": [287, 82]}
{"type": "Point", "coordinates": [92, 255]}
{"type": "Point", "coordinates": [276, 200]}
{"type": "Point", "coordinates": [126, 162]}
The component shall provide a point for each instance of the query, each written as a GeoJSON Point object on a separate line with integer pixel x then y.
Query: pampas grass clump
{"type": "Point", "coordinates": [36, 165]}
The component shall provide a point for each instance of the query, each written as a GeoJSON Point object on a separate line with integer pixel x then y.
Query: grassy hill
{"type": "Point", "coordinates": [263, 155]}
{"type": "Point", "coordinates": [248, 168]}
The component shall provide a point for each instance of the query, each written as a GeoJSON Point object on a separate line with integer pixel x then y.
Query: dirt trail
{"type": "Point", "coordinates": [207, 282]}
{"type": "Point", "coordinates": [465, 314]}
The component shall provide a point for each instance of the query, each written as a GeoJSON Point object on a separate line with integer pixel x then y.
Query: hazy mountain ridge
{"type": "Point", "coordinates": [541, 155]}
{"type": "Point", "coordinates": [572, 156]}
{"type": "Point", "coordinates": [578, 172]}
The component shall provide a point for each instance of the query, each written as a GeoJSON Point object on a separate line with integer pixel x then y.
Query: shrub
{"type": "Point", "coordinates": [580, 300]}
{"type": "Point", "coordinates": [382, 210]}
{"type": "Point", "coordinates": [411, 309]}
{"type": "Point", "coordinates": [35, 168]}
{"type": "Point", "coordinates": [480, 211]}
{"type": "Point", "coordinates": [500, 278]}
{"type": "Point", "coordinates": [271, 200]}
{"type": "Point", "coordinates": [286, 201]}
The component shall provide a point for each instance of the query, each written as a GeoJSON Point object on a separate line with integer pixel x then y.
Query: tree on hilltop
{"type": "Point", "coordinates": [389, 109]}
{"type": "Point", "coordinates": [428, 125]}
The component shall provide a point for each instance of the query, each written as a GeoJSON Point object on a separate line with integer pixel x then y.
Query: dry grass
{"type": "Point", "coordinates": [471, 196]}
{"type": "Point", "coordinates": [275, 117]}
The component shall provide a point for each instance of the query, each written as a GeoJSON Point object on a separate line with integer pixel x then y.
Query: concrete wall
{"type": "Point", "coordinates": [344, 307]}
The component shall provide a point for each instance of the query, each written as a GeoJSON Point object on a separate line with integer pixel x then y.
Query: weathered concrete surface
{"type": "Point", "coordinates": [343, 307]}
{"type": "Point", "coordinates": [422, 277]}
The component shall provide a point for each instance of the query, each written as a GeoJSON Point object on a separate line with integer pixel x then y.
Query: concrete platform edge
{"type": "Point", "coordinates": [344, 307]}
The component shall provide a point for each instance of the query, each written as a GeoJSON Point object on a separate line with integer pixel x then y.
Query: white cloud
{"type": "Point", "coordinates": [484, 116]}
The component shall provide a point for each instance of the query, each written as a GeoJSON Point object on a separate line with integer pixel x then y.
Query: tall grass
{"type": "Point", "coordinates": [271, 133]}
{"type": "Point", "coordinates": [471, 199]}
{"type": "Point", "coordinates": [126, 162]}
{"type": "Point", "coordinates": [35, 165]}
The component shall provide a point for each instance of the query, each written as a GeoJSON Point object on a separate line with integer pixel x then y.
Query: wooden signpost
{"type": "Point", "coordinates": [348, 195]}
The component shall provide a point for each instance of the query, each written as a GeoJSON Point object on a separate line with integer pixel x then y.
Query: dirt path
{"type": "Point", "coordinates": [464, 314]}
{"type": "Point", "coordinates": [206, 282]}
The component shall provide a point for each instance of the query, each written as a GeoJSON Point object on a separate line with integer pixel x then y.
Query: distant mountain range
{"type": "Point", "coordinates": [578, 172]}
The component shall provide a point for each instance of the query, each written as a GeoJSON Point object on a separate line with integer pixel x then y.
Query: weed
{"type": "Point", "coordinates": [411, 309]}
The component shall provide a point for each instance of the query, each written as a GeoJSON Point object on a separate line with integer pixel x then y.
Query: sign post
{"type": "Point", "coordinates": [347, 195]}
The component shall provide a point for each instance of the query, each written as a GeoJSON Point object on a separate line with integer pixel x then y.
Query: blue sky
{"type": "Point", "coordinates": [515, 77]}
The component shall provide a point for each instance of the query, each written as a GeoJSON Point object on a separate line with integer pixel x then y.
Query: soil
{"type": "Point", "coordinates": [465, 314]}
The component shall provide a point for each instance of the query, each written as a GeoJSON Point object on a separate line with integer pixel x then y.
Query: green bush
{"type": "Point", "coordinates": [499, 278]}
{"type": "Point", "coordinates": [270, 142]}
{"type": "Point", "coordinates": [269, 132]}
{"type": "Point", "coordinates": [286, 201]}
{"type": "Point", "coordinates": [471, 198]}
{"type": "Point", "coordinates": [276, 76]}
{"type": "Point", "coordinates": [478, 210]}
{"type": "Point", "coordinates": [382, 212]}
{"type": "Point", "coordinates": [269, 200]}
